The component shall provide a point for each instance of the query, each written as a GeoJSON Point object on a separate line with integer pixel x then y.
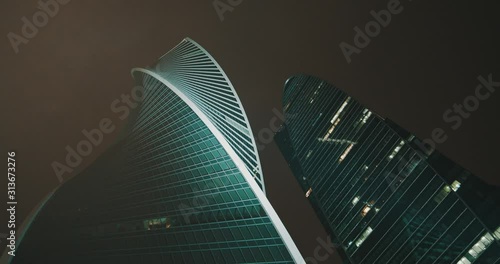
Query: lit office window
{"type": "Point", "coordinates": [346, 152]}
{"type": "Point", "coordinates": [478, 249]}
{"type": "Point", "coordinates": [364, 236]}
{"type": "Point", "coordinates": [336, 118]}
{"type": "Point", "coordinates": [309, 154]}
{"type": "Point", "coordinates": [157, 223]}
{"type": "Point", "coordinates": [455, 185]}
{"type": "Point", "coordinates": [464, 261]}
{"type": "Point", "coordinates": [338, 141]}
{"type": "Point", "coordinates": [365, 210]}
{"type": "Point", "coordinates": [287, 106]}
{"type": "Point", "coordinates": [330, 131]}
{"type": "Point", "coordinates": [366, 115]}
{"type": "Point", "coordinates": [315, 94]}
{"type": "Point", "coordinates": [442, 194]}
{"type": "Point", "coordinates": [497, 233]}
{"type": "Point", "coordinates": [313, 97]}
{"type": "Point", "coordinates": [341, 109]}
{"type": "Point", "coordinates": [355, 200]}
{"type": "Point", "coordinates": [396, 149]}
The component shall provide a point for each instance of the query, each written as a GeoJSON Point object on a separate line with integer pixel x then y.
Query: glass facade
{"type": "Point", "coordinates": [382, 196]}
{"type": "Point", "coordinates": [171, 190]}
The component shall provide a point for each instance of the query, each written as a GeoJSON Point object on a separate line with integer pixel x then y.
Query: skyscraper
{"type": "Point", "coordinates": [381, 193]}
{"type": "Point", "coordinates": [183, 184]}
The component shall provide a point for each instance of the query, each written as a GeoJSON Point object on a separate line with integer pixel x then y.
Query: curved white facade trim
{"type": "Point", "coordinates": [197, 75]}
{"type": "Point", "coordinates": [219, 108]}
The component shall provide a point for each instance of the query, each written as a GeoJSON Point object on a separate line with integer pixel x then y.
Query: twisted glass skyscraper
{"type": "Point", "coordinates": [381, 195]}
{"type": "Point", "coordinates": [182, 185]}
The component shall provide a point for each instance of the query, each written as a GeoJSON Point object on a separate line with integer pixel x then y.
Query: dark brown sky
{"type": "Point", "coordinates": [65, 78]}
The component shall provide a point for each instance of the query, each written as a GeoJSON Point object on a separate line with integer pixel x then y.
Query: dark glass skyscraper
{"type": "Point", "coordinates": [383, 197]}
{"type": "Point", "coordinates": [183, 184]}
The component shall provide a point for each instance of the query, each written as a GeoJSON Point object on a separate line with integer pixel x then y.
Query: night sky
{"type": "Point", "coordinates": [426, 59]}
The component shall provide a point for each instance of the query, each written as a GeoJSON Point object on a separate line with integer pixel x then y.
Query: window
{"type": "Point", "coordinates": [346, 152]}
{"type": "Point", "coordinates": [478, 249]}
{"type": "Point", "coordinates": [442, 194]}
{"type": "Point", "coordinates": [309, 154]}
{"type": "Point", "coordinates": [364, 236]}
{"type": "Point", "coordinates": [330, 131]}
{"type": "Point", "coordinates": [497, 233]}
{"type": "Point", "coordinates": [355, 200]}
{"type": "Point", "coordinates": [366, 116]}
{"type": "Point", "coordinates": [396, 149]}
{"type": "Point", "coordinates": [455, 185]}
{"type": "Point", "coordinates": [157, 223]}
{"type": "Point", "coordinates": [341, 109]}
{"type": "Point", "coordinates": [365, 210]}
{"type": "Point", "coordinates": [336, 119]}
{"type": "Point", "coordinates": [308, 193]}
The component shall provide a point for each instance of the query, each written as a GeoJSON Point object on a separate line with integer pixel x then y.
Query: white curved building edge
{"type": "Point", "coordinates": [188, 70]}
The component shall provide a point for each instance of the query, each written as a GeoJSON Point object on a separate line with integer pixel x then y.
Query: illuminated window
{"type": "Point", "coordinates": [365, 210]}
{"type": "Point", "coordinates": [315, 93]}
{"type": "Point", "coordinates": [355, 200]}
{"type": "Point", "coordinates": [364, 236]}
{"type": "Point", "coordinates": [442, 194]}
{"type": "Point", "coordinates": [157, 223]}
{"type": "Point", "coordinates": [341, 109]}
{"type": "Point", "coordinates": [396, 149]}
{"type": "Point", "coordinates": [309, 154]}
{"type": "Point", "coordinates": [478, 249]}
{"type": "Point", "coordinates": [346, 152]}
{"type": "Point", "coordinates": [366, 116]}
{"type": "Point", "coordinates": [313, 97]}
{"type": "Point", "coordinates": [497, 233]}
{"type": "Point", "coordinates": [455, 185]}
{"type": "Point", "coordinates": [339, 141]}
{"type": "Point", "coordinates": [287, 106]}
{"type": "Point", "coordinates": [309, 192]}
{"type": "Point", "coordinates": [464, 261]}
{"type": "Point", "coordinates": [327, 135]}
{"type": "Point", "coordinates": [336, 118]}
